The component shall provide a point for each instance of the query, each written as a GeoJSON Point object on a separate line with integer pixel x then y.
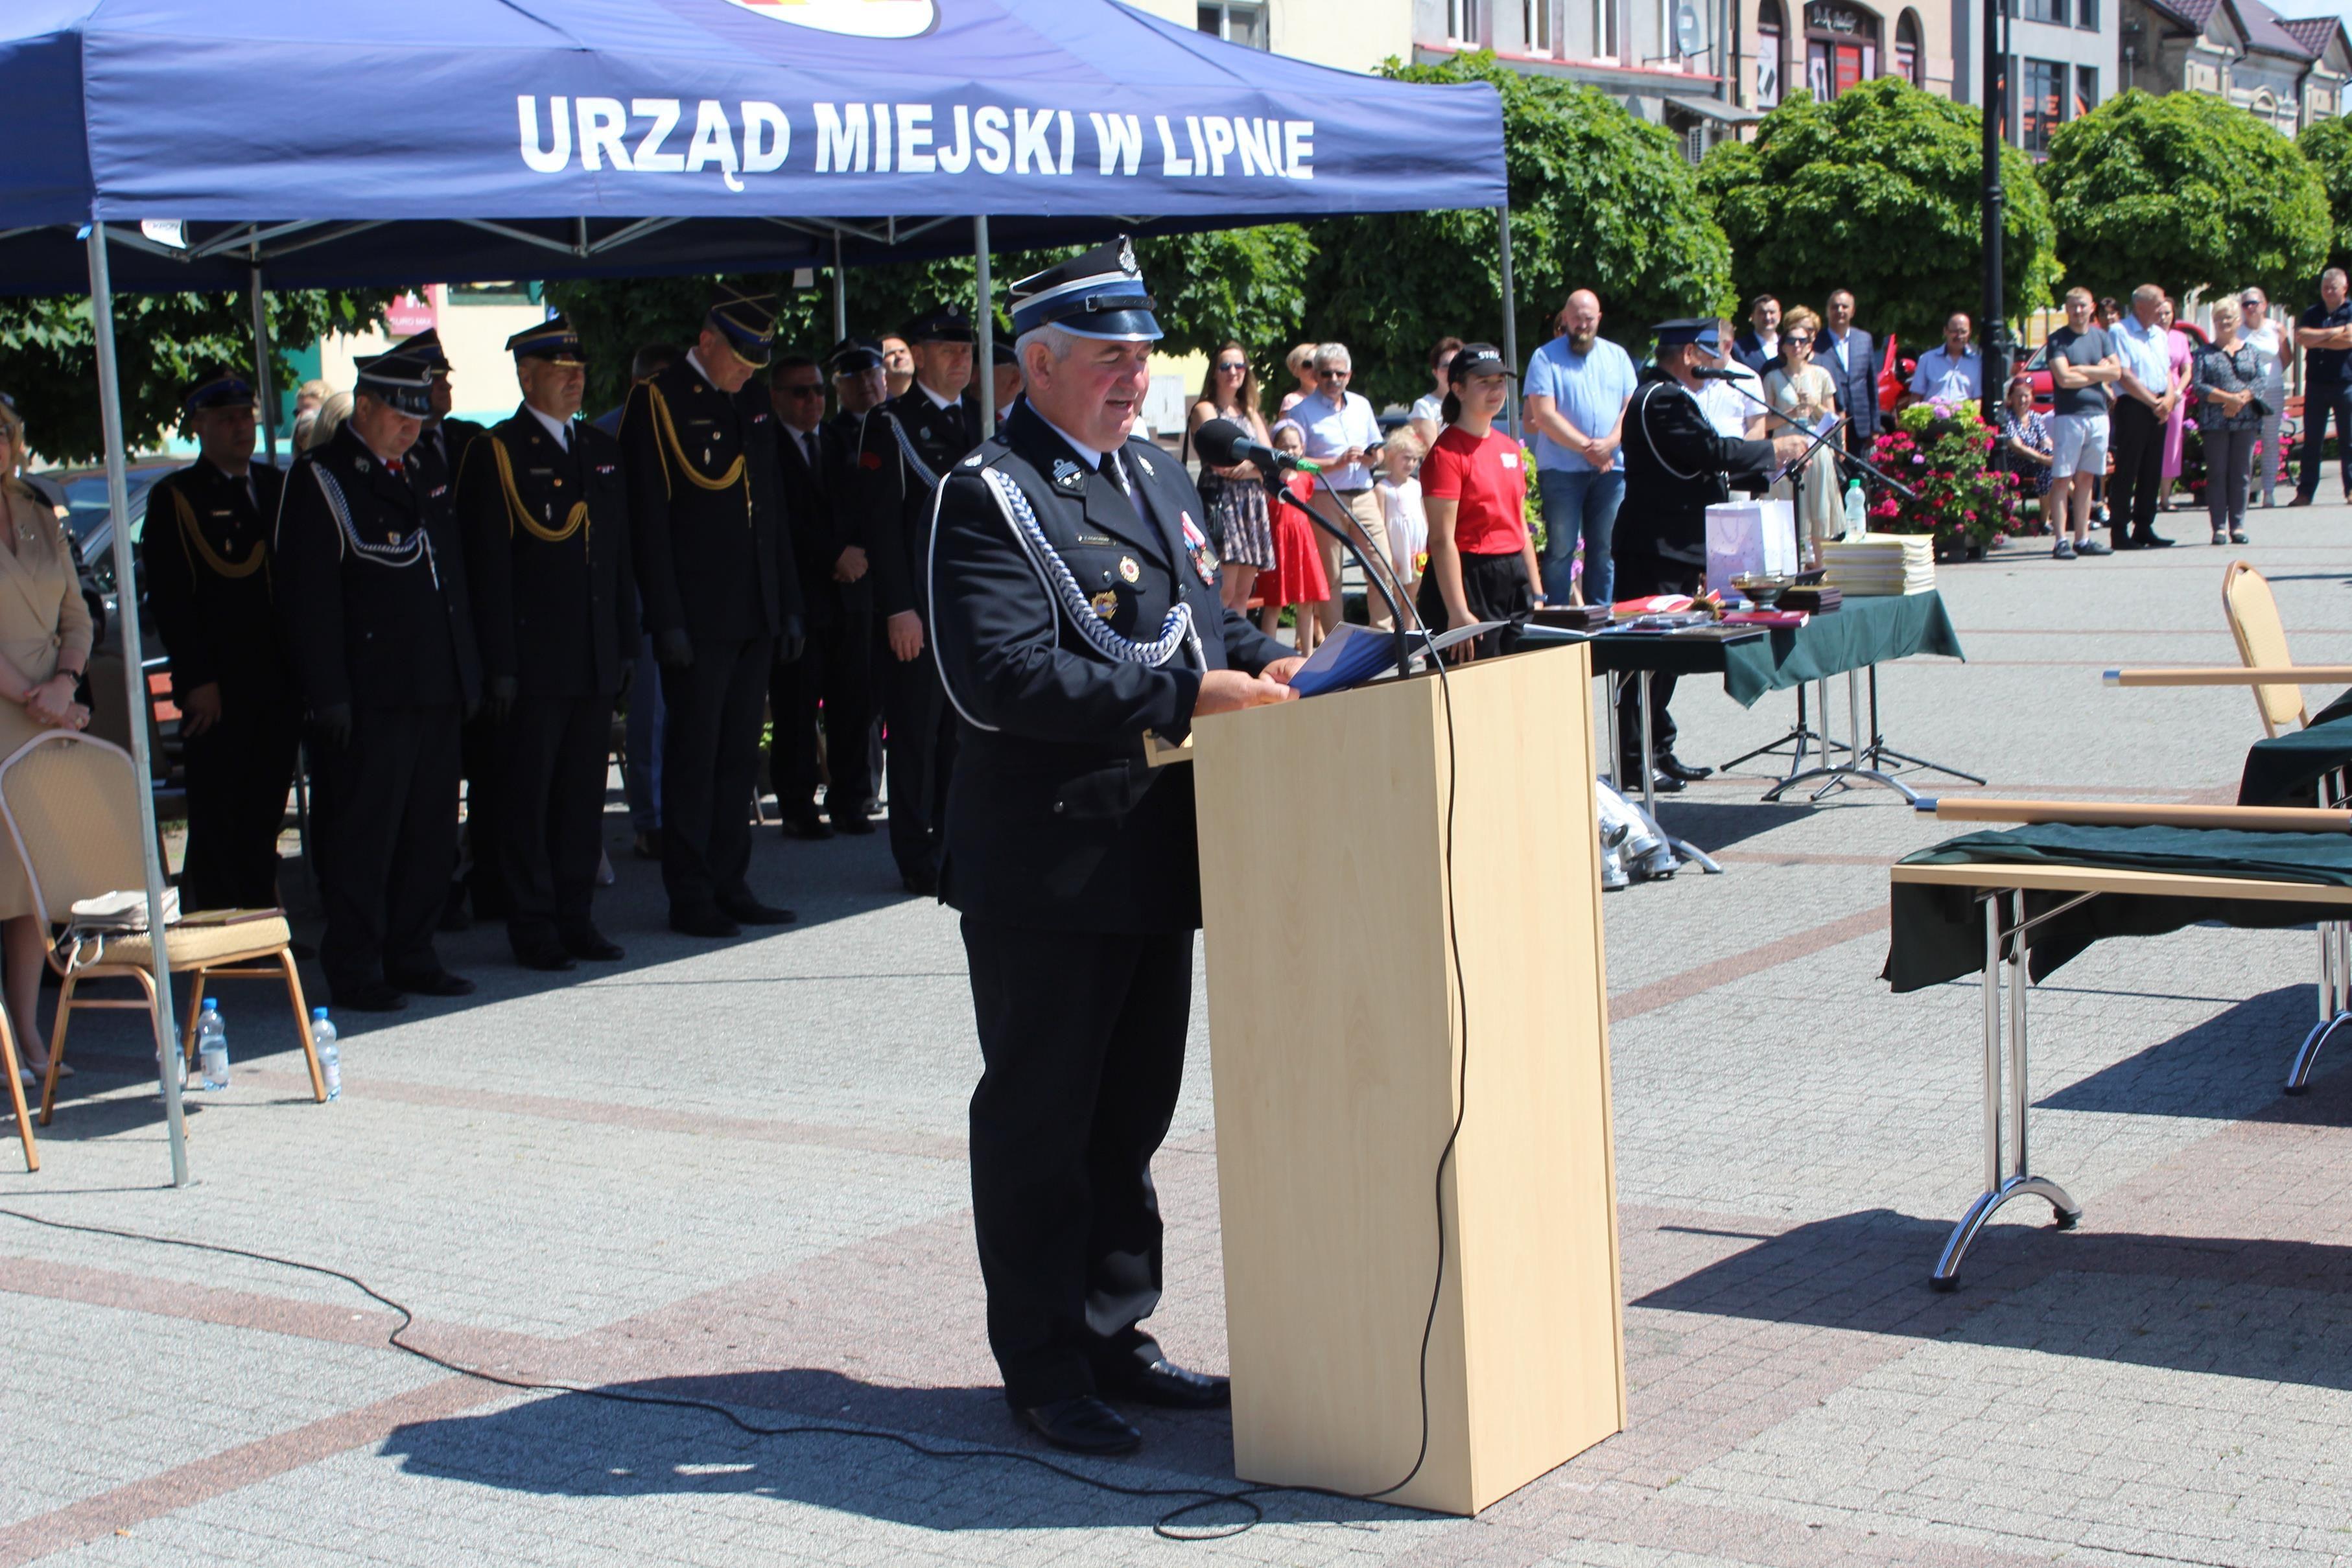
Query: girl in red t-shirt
{"type": "Point", "coordinates": [1295, 580]}
{"type": "Point", "coordinates": [1474, 487]}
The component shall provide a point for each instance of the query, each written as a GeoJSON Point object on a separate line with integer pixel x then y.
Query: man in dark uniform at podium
{"type": "Point", "coordinates": [936, 420]}
{"type": "Point", "coordinates": [721, 599]}
{"type": "Point", "coordinates": [205, 550]}
{"type": "Point", "coordinates": [1076, 610]}
{"type": "Point", "coordinates": [546, 517]}
{"type": "Point", "coordinates": [1676, 465]}
{"type": "Point", "coordinates": [371, 593]}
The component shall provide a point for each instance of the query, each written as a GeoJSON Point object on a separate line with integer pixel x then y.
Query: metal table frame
{"type": "Point", "coordinates": [1684, 848]}
{"type": "Point", "coordinates": [2007, 957]}
{"type": "Point", "coordinates": [1862, 761]}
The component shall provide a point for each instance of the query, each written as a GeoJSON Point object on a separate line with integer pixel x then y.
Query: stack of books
{"type": "Point", "coordinates": [1573, 617]}
{"type": "Point", "coordinates": [1819, 601]}
{"type": "Point", "coordinates": [1881, 564]}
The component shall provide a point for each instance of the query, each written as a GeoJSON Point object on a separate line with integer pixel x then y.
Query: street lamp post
{"type": "Point", "coordinates": [1994, 319]}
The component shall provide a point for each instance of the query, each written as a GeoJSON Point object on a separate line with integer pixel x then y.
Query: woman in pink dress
{"type": "Point", "coordinates": [2178, 423]}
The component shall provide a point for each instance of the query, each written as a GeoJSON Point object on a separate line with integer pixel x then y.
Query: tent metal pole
{"type": "Point", "coordinates": [134, 677]}
{"type": "Point", "coordinates": [983, 327]}
{"type": "Point", "coordinates": [1510, 318]}
{"type": "Point", "coordinates": [840, 294]}
{"type": "Point", "coordinates": [265, 385]}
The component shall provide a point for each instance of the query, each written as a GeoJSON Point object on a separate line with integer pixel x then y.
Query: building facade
{"type": "Point", "coordinates": [2289, 73]}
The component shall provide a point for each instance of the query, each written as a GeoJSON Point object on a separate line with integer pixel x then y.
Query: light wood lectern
{"type": "Point", "coordinates": [1337, 1045]}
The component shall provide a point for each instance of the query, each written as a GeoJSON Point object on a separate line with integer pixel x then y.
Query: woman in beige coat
{"type": "Point", "coordinates": [45, 636]}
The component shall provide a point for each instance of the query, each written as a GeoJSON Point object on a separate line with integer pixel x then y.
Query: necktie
{"type": "Point", "coordinates": [1116, 472]}
{"type": "Point", "coordinates": [808, 446]}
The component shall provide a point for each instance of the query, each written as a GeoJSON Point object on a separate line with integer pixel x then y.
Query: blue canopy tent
{"type": "Point", "coordinates": [234, 145]}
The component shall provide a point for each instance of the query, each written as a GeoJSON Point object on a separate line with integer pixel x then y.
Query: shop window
{"type": "Point", "coordinates": [1768, 54]}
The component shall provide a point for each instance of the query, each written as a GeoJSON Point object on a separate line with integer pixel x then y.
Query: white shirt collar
{"type": "Point", "coordinates": [694, 359]}
{"type": "Point", "coordinates": [558, 428]}
{"type": "Point", "coordinates": [936, 401]}
{"type": "Point", "coordinates": [1093, 454]}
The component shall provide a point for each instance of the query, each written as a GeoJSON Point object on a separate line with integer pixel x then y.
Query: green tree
{"type": "Point", "coordinates": [1240, 283]}
{"type": "Point", "coordinates": [2327, 144]}
{"type": "Point", "coordinates": [1879, 192]}
{"type": "Point", "coordinates": [49, 356]}
{"type": "Point", "coordinates": [1600, 199]}
{"type": "Point", "coordinates": [2185, 192]}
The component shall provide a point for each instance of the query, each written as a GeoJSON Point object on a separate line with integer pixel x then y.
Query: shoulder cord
{"type": "Point", "coordinates": [907, 450]}
{"type": "Point", "coordinates": [1176, 632]}
{"type": "Point", "coordinates": [1647, 396]}
{"type": "Point", "coordinates": [516, 512]}
{"type": "Point", "coordinates": [406, 552]}
{"type": "Point", "coordinates": [192, 537]}
{"type": "Point", "coordinates": [666, 429]}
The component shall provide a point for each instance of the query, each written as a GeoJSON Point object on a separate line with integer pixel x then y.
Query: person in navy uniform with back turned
{"type": "Point", "coordinates": [371, 593]}
{"type": "Point", "coordinates": [205, 551]}
{"type": "Point", "coordinates": [721, 596]}
{"type": "Point", "coordinates": [1073, 861]}
{"type": "Point", "coordinates": [546, 515]}
{"type": "Point", "coordinates": [938, 420]}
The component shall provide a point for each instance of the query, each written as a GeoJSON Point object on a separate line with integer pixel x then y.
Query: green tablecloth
{"type": "Point", "coordinates": [1861, 632]}
{"type": "Point", "coordinates": [2281, 770]}
{"type": "Point", "coordinates": [1938, 933]}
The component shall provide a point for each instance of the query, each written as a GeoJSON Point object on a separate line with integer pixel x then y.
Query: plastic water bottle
{"type": "Point", "coordinates": [212, 1046]}
{"type": "Point", "coordinates": [1857, 515]}
{"type": "Point", "coordinates": [331, 1060]}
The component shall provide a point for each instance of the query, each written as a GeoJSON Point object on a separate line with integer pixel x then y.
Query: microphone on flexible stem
{"type": "Point", "coordinates": [1223, 443]}
{"type": "Point", "coordinates": [1715, 373]}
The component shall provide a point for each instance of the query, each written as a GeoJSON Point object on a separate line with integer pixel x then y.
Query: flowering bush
{"type": "Point", "coordinates": [1942, 450]}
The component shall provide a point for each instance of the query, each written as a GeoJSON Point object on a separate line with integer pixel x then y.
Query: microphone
{"type": "Point", "coordinates": [1223, 443]}
{"type": "Point", "coordinates": [1711, 373]}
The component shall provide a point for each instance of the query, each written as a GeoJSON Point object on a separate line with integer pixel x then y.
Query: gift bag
{"type": "Point", "coordinates": [1749, 538]}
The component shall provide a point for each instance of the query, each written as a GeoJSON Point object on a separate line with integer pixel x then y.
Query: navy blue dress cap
{"type": "Point", "coordinates": [1099, 294]}
{"type": "Point", "coordinates": [217, 387]}
{"type": "Point", "coordinates": [552, 339]}
{"type": "Point", "coordinates": [398, 380]}
{"type": "Point", "coordinates": [748, 323]}
{"type": "Point", "coordinates": [947, 324]}
{"type": "Point", "coordinates": [854, 356]}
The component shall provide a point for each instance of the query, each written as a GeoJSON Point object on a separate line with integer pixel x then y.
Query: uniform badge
{"type": "Point", "coordinates": [1129, 569]}
{"type": "Point", "coordinates": [1068, 475]}
{"type": "Point", "coordinates": [1106, 603]}
{"type": "Point", "coordinates": [391, 539]}
{"type": "Point", "coordinates": [974, 461]}
{"type": "Point", "coordinates": [1141, 461]}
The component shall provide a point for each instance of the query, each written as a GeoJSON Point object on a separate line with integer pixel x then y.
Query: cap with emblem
{"type": "Point", "coordinates": [426, 348]}
{"type": "Point", "coordinates": [1476, 359]}
{"type": "Point", "coordinates": [947, 324]}
{"type": "Point", "coordinates": [218, 388]}
{"type": "Point", "coordinates": [748, 323]}
{"type": "Point", "coordinates": [854, 356]}
{"type": "Point", "coordinates": [552, 340]}
{"type": "Point", "coordinates": [1000, 353]}
{"type": "Point", "coordinates": [398, 380]}
{"type": "Point", "coordinates": [1099, 294]}
{"type": "Point", "coordinates": [1684, 329]}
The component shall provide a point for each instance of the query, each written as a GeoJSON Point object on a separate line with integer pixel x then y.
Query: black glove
{"type": "Point", "coordinates": [790, 641]}
{"type": "Point", "coordinates": [334, 722]}
{"type": "Point", "coordinates": [673, 649]}
{"type": "Point", "coordinates": [503, 692]}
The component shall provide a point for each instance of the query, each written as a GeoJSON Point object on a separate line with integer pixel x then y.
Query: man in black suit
{"type": "Point", "coordinates": [546, 516]}
{"type": "Point", "coordinates": [371, 583]}
{"type": "Point", "coordinates": [831, 686]}
{"type": "Point", "coordinates": [205, 551]}
{"type": "Point", "coordinates": [936, 420]}
{"type": "Point", "coordinates": [1759, 344]}
{"type": "Point", "coordinates": [1847, 352]}
{"type": "Point", "coordinates": [722, 597]}
{"type": "Point", "coordinates": [1073, 861]}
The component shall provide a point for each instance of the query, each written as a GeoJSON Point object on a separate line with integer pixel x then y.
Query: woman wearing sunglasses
{"type": "Point", "coordinates": [1802, 396]}
{"type": "Point", "coordinates": [1235, 497]}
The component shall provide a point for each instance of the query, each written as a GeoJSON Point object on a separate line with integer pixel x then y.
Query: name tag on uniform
{"type": "Point", "coordinates": [1510, 459]}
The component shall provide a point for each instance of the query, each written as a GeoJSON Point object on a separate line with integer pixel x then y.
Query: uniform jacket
{"type": "Point", "coordinates": [865, 458]}
{"type": "Point", "coordinates": [205, 548]}
{"type": "Point", "coordinates": [711, 554]}
{"type": "Point", "coordinates": [553, 590]}
{"type": "Point", "coordinates": [1675, 467]}
{"type": "Point", "coordinates": [901, 526]}
{"type": "Point", "coordinates": [1053, 818]}
{"type": "Point", "coordinates": [374, 630]}
{"type": "Point", "coordinates": [811, 521]}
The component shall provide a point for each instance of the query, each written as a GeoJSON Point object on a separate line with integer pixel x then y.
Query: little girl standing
{"type": "Point", "coordinates": [1297, 580]}
{"type": "Point", "coordinates": [1408, 524]}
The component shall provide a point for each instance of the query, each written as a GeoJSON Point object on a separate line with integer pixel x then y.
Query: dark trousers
{"type": "Point", "coordinates": [238, 773]}
{"type": "Point", "coordinates": [830, 685]}
{"type": "Point", "coordinates": [1640, 573]}
{"type": "Point", "coordinates": [480, 870]}
{"type": "Point", "coordinates": [711, 763]}
{"type": "Point", "coordinates": [2318, 402]}
{"type": "Point", "coordinates": [2140, 469]}
{"type": "Point", "coordinates": [551, 813]}
{"type": "Point", "coordinates": [922, 753]}
{"type": "Point", "coordinates": [387, 825]}
{"type": "Point", "coordinates": [1082, 1039]}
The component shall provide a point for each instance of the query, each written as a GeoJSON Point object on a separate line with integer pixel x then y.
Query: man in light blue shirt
{"type": "Point", "coordinates": [1342, 434]}
{"type": "Point", "coordinates": [1954, 372]}
{"type": "Point", "coordinates": [1574, 399]}
{"type": "Point", "coordinates": [2144, 399]}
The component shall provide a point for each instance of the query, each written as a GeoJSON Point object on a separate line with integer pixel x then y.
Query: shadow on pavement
{"type": "Point", "coordinates": [577, 1445]}
{"type": "Point", "coordinates": [1712, 825]}
{"type": "Point", "coordinates": [2230, 1066]}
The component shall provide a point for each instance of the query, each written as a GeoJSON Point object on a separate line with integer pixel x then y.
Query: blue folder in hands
{"type": "Point", "coordinates": [1353, 654]}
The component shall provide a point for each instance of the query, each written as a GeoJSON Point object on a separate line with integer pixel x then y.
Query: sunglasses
{"type": "Point", "coordinates": [1800, 338]}
{"type": "Point", "coordinates": [1333, 375]}
{"type": "Point", "coordinates": [1232, 368]}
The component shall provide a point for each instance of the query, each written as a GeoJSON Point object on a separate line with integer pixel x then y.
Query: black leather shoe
{"type": "Point", "coordinates": [1674, 767]}
{"type": "Point", "coordinates": [857, 826]}
{"type": "Point", "coordinates": [1661, 782]}
{"type": "Point", "coordinates": [2151, 541]}
{"type": "Point", "coordinates": [587, 942]}
{"type": "Point", "coordinates": [922, 884]}
{"type": "Point", "coordinates": [434, 983]}
{"type": "Point", "coordinates": [648, 846]}
{"type": "Point", "coordinates": [369, 997]}
{"type": "Point", "coordinates": [809, 827]}
{"type": "Point", "coordinates": [548, 955]}
{"type": "Point", "coordinates": [703, 920]}
{"type": "Point", "coordinates": [2124, 542]}
{"type": "Point", "coordinates": [2300, 501]}
{"type": "Point", "coordinates": [751, 912]}
{"type": "Point", "coordinates": [1172, 1387]}
{"type": "Point", "coordinates": [1084, 1425]}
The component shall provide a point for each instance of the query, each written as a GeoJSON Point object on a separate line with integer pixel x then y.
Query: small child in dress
{"type": "Point", "coordinates": [1297, 581]}
{"type": "Point", "coordinates": [1408, 524]}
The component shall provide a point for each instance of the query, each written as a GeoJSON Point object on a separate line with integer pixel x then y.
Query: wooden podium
{"type": "Point", "coordinates": [1338, 1043]}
